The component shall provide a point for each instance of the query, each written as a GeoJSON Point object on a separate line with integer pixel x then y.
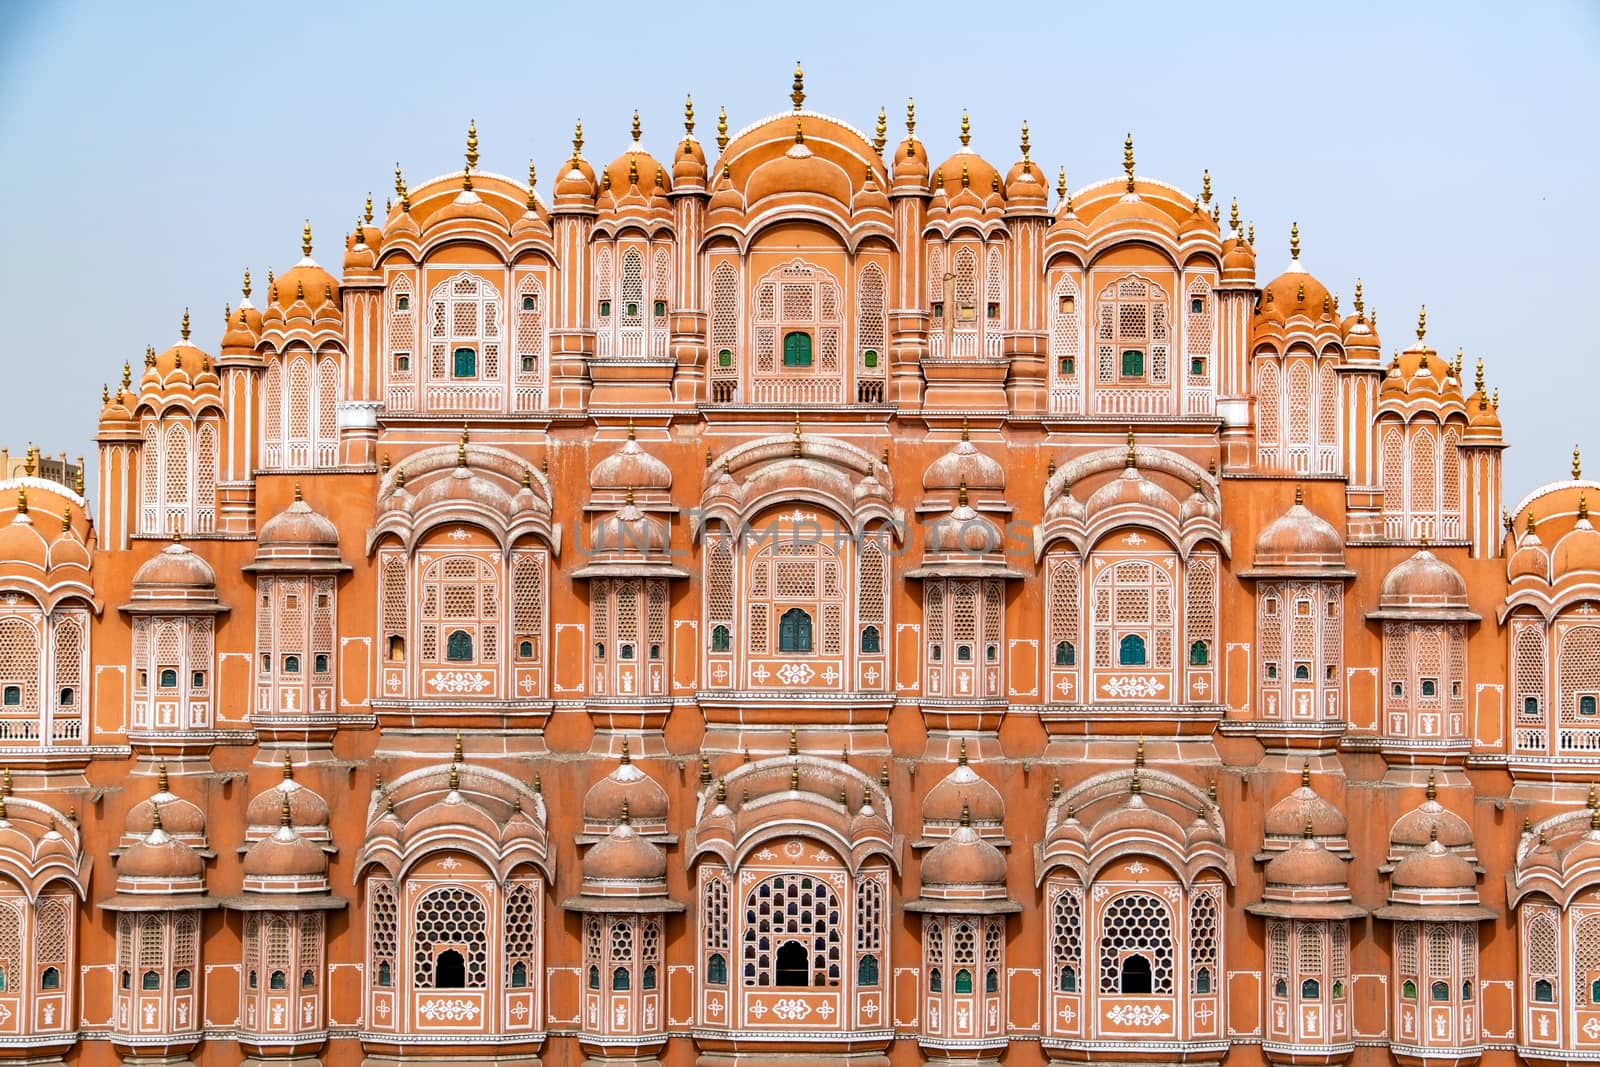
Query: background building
{"type": "Point", "coordinates": [800, 599]}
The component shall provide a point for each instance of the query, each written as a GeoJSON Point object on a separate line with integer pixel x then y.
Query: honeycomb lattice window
{"type": "Point", "coordinates": [1202, 939]}
{"type": "Point", "coordinates": [521, 931]}
{"type": "Point", "coordinates": [714, 917]}
{"type": "Point", "coordinates": [869, 914]}
{"type": "Point", "coordinates": [1066, 940]}
{"type": "Point", "coordinates": [1136, 924]}
{"type": "Point", "coordinates": [795, 939]}
{"type": "Point", "coordinates": [450, 919]}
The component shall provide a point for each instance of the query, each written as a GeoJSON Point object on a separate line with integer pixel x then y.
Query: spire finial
{"type": "Point", "coordinates": [455, 754]}
{"type": "Point", "coordinates": [961, 492]}
{"type": "Point", "coordinates": [183, 327]}
{"type": "Point", "coordinates": [1422, 323]}
{"type": "Point", "coordinates": [1477, 381]}
{"type": "Point", "coordinates": [1026, 146]}
{"type": "Point", "coordinates": [155, 817]}
{"type": "Point", "coordinates": [1061, 183]}
{"type": "Point", "coordinates": [305, 239]}
{"type": "Point", "coordinates": [796, 448]}
{"type": "Point", "coordinates": [366, 212]}
{"type": "Point", "coordinates": [961, 757]}
{"type": "Point", "coordinates": [880, 136]}
{"type": "Point", "coordinates": [722, 128]}
{"type": "Point", "coordinates": [1308, 832]}
{"type": "Point", "coordinates": [1233, 216]}
{"type": "Point", "coordinates": [1432, 790]}
{"type": "Point", "coordinates": [1593, 802]}
{"type": "Point", "coordinates": [794, 741]}
{"type": "Point", "coordinates": [1577, 463]}
{"type": "Point", "coordinates": [1205, 187]}
{"type": "Point", "coordinates": [1135, 787]}
{"type": "Point", "coordinates": [245, 288]}
{"type": "Point", "coordinates": [577, 140]}
{"type": "Point", "coordinates": [455, 778]}
{"type": "Point", "coordinates": [1299, 494]}
{"type": "Point", "coordinates": [1138, 753]}
{"type": "Point", "coordinates": [1250, 235]}
{"type": "Point", "coordinates": [911, 118]}
{"type": "Point", "coordinates": [794, 778]}
{"type": "Point", "coordinates": [161, 777]}
{"type": "Point", "coordinates": [966, 815]}
{"type": "Point", "coordinates": [966, 129]}
{"type": "Point", "coordinates": [1294, 240]}
{"type": "Point", "coordinates": [626, 759]}
{"type": "Point", "coordinates": [288, 768]}
{"type": "Point", "coordinates": [283, 812]}
{"type": "Point", "coordinates": [635, 126]}
{"type": "Point", "coordinates": [798, 93]}
{"type": "Point", "coordinates": [1583, 507]}
{"type": "Point", "coordinates": [799, 131]}
{"type": "Point", "coordinates": [1132, 462]}
{"type": "Point", "coordinates": [1305, 775]}
{"type": "Point", "coordinates": [472, 154]}
{"type": "Point", "coordinates": [461, 449]}
{"type": "Point", "coordinates": [1127, 159]}
{"type": "Point", "coordinates": [722, 791]}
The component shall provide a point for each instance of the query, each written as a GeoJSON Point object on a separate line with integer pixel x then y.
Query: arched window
{"type": "Point", "coordinates": [870, 641]}
{"type": "Point", "coordinates": [717, 969]}
{"type": "Point", "coordinates": [1439, 992]}
{"type": "Point", "coordinates": [1131, 651]}
{"type": "Point", "coordinates": [1311, 989]}
{"type": "Point", "coordinates": [151, 981]}
{"type": "Point", "coordinates": [464, 363]}
{"type": "Point", "coordinates": [1135, 979]}
{"type": "Point", "coordinates": [794, 967]}
{"type": "Point", "coordinates": [963, 983]}
{"type": "Point", "coordinates": [50, 978]}
{"type": "Point", "coordinates": [461, 611]}
{"type": "Point", "coordinates": [278, 981]}
{"type": "Point", "coordinates": [450, 946]}
{"type": "Point", "coordinates": [1199, 654]}
{"type": "Point", "coordinates": [620, 980]}
{"type": "Point", "coordinates": [450, 970]}
{"type": "Point", "coordinates": [867, 971]}
{"type": "Point", "coordinates": [1066, 655]}
{"type": "Point", "coordinates": [792, 933]}
{"type": "Point", "coordinates": [935, 981]}
{"type": "Point", "coordinates": [594, 977]}
{"type": "Point", "coordinates": [794, 631]}
{"type": "Point", "coordinates": [720, 638]}
{"type": "Point", "coordinates": [385, 975]}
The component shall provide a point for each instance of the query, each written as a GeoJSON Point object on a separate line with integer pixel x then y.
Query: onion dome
{"type": "Point", "coordinates": [297, 540]}
{"type": "Point", "coordinates": [689, 161]}
{"type": "Point", "coordinates": [160, 857]}
{"type": "Point", "coordinates": [1287, 819]}
{"type": "Point", "coordinates": [1133, 213]}
{"type": "Point", "coordinates": [1133, 488]}
{"type": "Point", "coordinates": [631, 467]}
{"type": "Point", "coordinates": [1299, 543]}
{"type": "Point", "coordinates": [623, 856]}
{"type": "Point", "coordinates": [532, 223]}
{"type": "Point", "coordinates": [964, 531]}
{"type": "Point", "coordinates": [910, 159]}
{"type": "Point", "coordinates": [629, 789]}
{"type": "Point", "coordinates": [1307, 865]}
{"type": "Point", "coordinates": [966, 179]}
{"type": "Point", "coordinates": [634, 180]}
{"type": "Point", "coordinates": [1025, 183]}
{"type": "Point", "coordinates": [870, 197]}
{"type": "Point", "coordinates": [963, 861]}
{"type": "Point", "coordinates": [116, 415]}
{"type": "Point", "coordinates": [576, 187]}
{"type": "Point", "coordinates": [1579, 549]}
{"type": "Point", "coordinates": [182, 819]}
{"type": "Point", "coordinates": [238, 339]}
{"type": "Point", "coordinates": [1068, 228]}
{"type": "Point", "coordinates": [1436, 884]}
{"type": "Point", "coordinates": [174, 581]}
{"type": "Point", "coordinates": [1238, 258]}
{"type": "Point", "coordinates": [1423, 587]}
{"type": "Point", "coordinates": [630, 530]}
{"type": "Point", "coordinates": [284, 856]}
{"type": "Point", "coordinates": [965, 465]}
{"type": "Point", "coordinates": [1530, 560]}
{"type": "Point", "coordinates": [1294, 292]}
{"type": "Point", "coordinates": [307, 811]}
{"type": "Point", "coordinates": [1430, 821]}
{"type": "Point", "coordinates": [157, 869]}
{"type": "Point", "coordinates": [1306, 881]}
{"type": "Point", "coordinates": [304, 283]}
{"type": "Point", "coordinates": [21, 544]}
{"type": "Point", "coordinates": [360, 258]}
{"type": "Point", "coordinates": [1197, 505]}
{"type": "Point", "coordinates": [963, 790]}
{"type": "Point", "coordinates": [38, 852]}
{"type": "Point", "coordinates": [68, 549]}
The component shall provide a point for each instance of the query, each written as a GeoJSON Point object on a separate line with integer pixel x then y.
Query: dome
{"type": "Point", "coordinates": [1294, 292]}
{"type": "Point", "coordinates": [1300, 541]}
{"type": "Point", "coordinates": [1430, 821]}
{"type": "Point", "coordinates": [963, 790]}
{"type": "Point", "coordinates": [306, 808]}
{"type": "Point", "coordinates": [630, 530]}
{"type": "Point", "coordinates": [1422, 585]}
{"type": "Point", "coordinates": [1025, 184]}
{"type": "Point", "coordinates": [964, 859]}
{"type": "Point", "coordinates": [966, 171]}
{"type": "Point", "coordinates": [1530, 560]}
{"type": "Point", "coordinates": [160, 856]}
{"type": "Point", "coordinates": [22, 543]}
{"type": "Point", "coordinates": [284, 854]}
{"type": "Point", "coordinates": [1135, 213]}
{"type": "Point", "coordinates": [910, 159]}
{"type": "Point", "coordinates": [631, 467]}
{"type": "Point", "coordinates": [175, 569]}
{"type": "Point", "coordinates": [1578, 550]}
{"type": "Point", "coordinates": [624, 856]}
{"type": "Point", "coordinates": [1306, 865]}
{"type": "Point", "coordinates": [1434, 867]}
{"type": "Point", "coordinates": [626, 787]}
{"type": "Point", "coordinates": [635, 168]}
{"type": "Point", "coordinates": [689, 162]}
{"type": "Point", "coordinates": [239, 337]}
{"type": "Point", "coordinates": [360, 257]}
{"type": "Point", "coordinates": [299, 527]}
{"type": "Point", "coordinates": [178, 816]}
{"type": "Point", "coordinates": [305, 281]}
{"type": "Point", "coordinates": [1301, 808]}
{"type": "Point", "coordinates": [964, 464]}
{"type": "Point", "coordinates": [576, 186]}
{"type": "Point", "coordinates": [1131, 488]}
{"type": "Point", "coordinates": [964, 532]}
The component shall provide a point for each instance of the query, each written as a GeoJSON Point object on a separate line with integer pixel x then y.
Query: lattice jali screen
{"type": "Point", "coordinates": [450, 918]}
{"type": "Point", "coordinates": [792, 908]}
{"type": "Point", "coordinates": [1136, 924]}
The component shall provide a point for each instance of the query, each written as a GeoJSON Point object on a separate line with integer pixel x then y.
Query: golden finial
{"type": "Point", "coordinates": [183, 328]}
{"type": "Point", "coordinates": [705, 770]}
{"type": "Point", "coordinates": [1477, 381]}
{"type": "Point", "coordinates": [625, 759]}
{"type": "Point", "coordinates": [1131, 461]}
{"type": "Point", "coordinates": [966, 177]}
{"type": "Point", "coordinates": [1299, 495]}
{"type": "Point", "coordinates": [1305, 775]}
{"type": "Point", "coordinates": [455, 778]}
{"type": "Point", "coordinates": [1050, 468]}
{"type": "Point", "coordinates": [1216, 214]}
{"type": "Point", "coordinates": [1583, 506]}
{"type": "Point", "coordinates": [305, 239]}
{"type": "Point", "coordinates": [1495, 402]}
{"type": "Point", "coordinates": [105, 393]}
{"type": "Point", "coordinates": [605, 179]}
{"type": "Point", "coordinates": [1205, 187]}
{"type": "Point", "coordinates": [794, 741]}
{"type": "Point", "coordinates": [688, 116]}
{"type": "Point", "coordinates": [299, 289]}
{"type": "Point", "coordinates": [1138, 753]}
{"type": "Point", "coordinates": [938, 179]}
{"type": "Point", "coordinates": [1577, 463]}
{"type": "Point", "coordinates": [1309, 831]}
{"type": "Point", "coordinates": [722, 791]}
{"type": "Point", "coordinates": [127, 374]}
{"type": "Point", "coordinates": [456, 751]}
{"type": "Point", "coordinates": [798, 93]}
{"type": "Point", "coordinates": [1061, 183]}
{"type": "Point", "coordinates": [961, 756]}
{"type": "Point", "coordinates": [1592, 804]}
{"type": "Point", "coordinates": [461, 449]}
{"type": "Point", "coordinates": [366, 213]}
{"type": "Point", "coordinates": [633, 169]}
{"type": "Point", "coordinates": [149, 355]}
{"type": "Point", "coordinates": [911, 118]}
{"type": "Point", "coordinates": [246, 287]}
{"type": "Point", "coordinates": [799, 132]}
{"type": "Point", "coordinates": [1127, 159]}
{"type": "Point", "coordinates": [795, 450]}
{"type": "Point", "coordinates": [1233, 216]}
{"type": "Point", "coordinates": [722, 128]}
{"type": "Point", "coordinates": [161, 777]}
{"type": "Point", "coordinates": [636, 132]}
{"type": "Point", "coordinates": [1594, 820]}
{"type": "Point", "coordinates": [577, 140]}
{"type": "Point", "coordinates": [472, 153]}
{"type": "Point", "coordinates": [399, 183]}
{"type": "Point", "coordinates": [1361, 305]}
{"type": "Point", "coordinates": [961, 492]}
{"type": "Point", "coordinates": [1455, 369]}
{"type": "Point", "coordinates": [966, 129]}
{"type": "Point", "coordinates": [794, 778]}
{"type": "Point", "coordinates": [1250, 236]}
{"type": "Point", "coordinates": [1134, 785]}
{"type": "Point", "coordinates": [994, 180]}
{"type": "Point", "coordinates": [1294, 240]}
{"type": "Point", "coordinates": [881, 136]}
{"type": "Point", "coordinates": [1422, 323]}
{"type": "Point", "coordinates": [1055, 790]}
{"type": "Point", "coordinates": [883, 775]}
{"type": "Point", "coordinates": [966, 815]}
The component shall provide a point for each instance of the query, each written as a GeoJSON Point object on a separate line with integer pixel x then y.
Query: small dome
{"type": "Point", "coordinates": [178, 816]}
{"type": "Point", "coordinates": [1579, 550]}
{"type": "Point", "coordinates": [1134, 488]}
{"type": "Point", "coordinates": [576, 186]}
{"type": "Point", "coordinates": [306, 282]}
{"type": "Point", "coordinates": [1025, 187]}
{"type": "Point", "coordinates": [285, 854]}
{"type": "Point", "coordinates": [22, 543]}
{"type": "Point", "coordinates": [1133, 212]}
{"type": "Point", "coordinates": [1306, 865]}
{"type": "Point", "coordinates": [626, 786]}
{"type": "Point", "coordinates": [964, 859]}
{"type": "Point", "coordinates": [240, 337]}
{"type": "Point", "coordinates": [1434, 867]}
{"type": "Point", "coordinates": [963, 789]}
{"type": "Point", "coordinates": [910, 161]}
{"type": "Point", "coordinates": [636, 169]}
{"type": "Point", "coordinates": [161, 856]}
{"type": "Point", "coordinates": [175, 569]}
{"type": "Point", "coordinates": [1300, 540]}
{"type": "Point", "coordinates": [1294, 293]}
{"type": "Point", "coordinates": [631, 467]}
{"type": "Point", "coordinates": [966, 171]}
{"type": "Point", "coordinates": [1304, 807]}
{"type": "Point", "coordinates": [1423, 581]}
{"type": "Point", "coordinates": [306, 808]}
{"type": "Point", "coordinates": [1431, 821]}
{"type": "Point", "coordinates": [630, 530]}
{"type": "Point", "coordinates": [965, 464]}
{"type": "Point", "coordinates": [624, 856]}
{"type": "Point", "coordinates": [1530, 560]}
{"type": "Point", "coordinates": [964, 532]}
{"type": "Point", "coordinates": [689, 163]}
{"type": "Point", "coordinates": [298, 526]}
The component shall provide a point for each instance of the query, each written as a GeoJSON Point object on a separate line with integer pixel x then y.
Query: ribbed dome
{"type": "Point", "coordinates": [964, 531]}
{"type": "Point", "coordinates": [1423, 581]}
{"type": "Point", "coordinates": [1304, 807]}
{"type": "Point", "coordinates": [1579, 550]}
{"type": "Point", "coordinates": [624, 856]}
{"type": "Point", "coordinates": [964, 858]}
{"type": "Point", "coordinates": [963, 789]}
{"type": "Point", "coordinates": [1431, 821]}
{"type": "Point", "coordinates": [1300, 540]}
{"type": "Point", "coordinates": [1304, 866]}
{"type": "Point", "coordinates": [631, 467]}
{"type": "Point", "coordinates": [175, 569]}
{"type": "Point", "coordinates": [306, 808]}
{"type": "Point", "coordinates": [1434, 867]}
{"type": "Point", "coordinates": [1131, 487]}
{"type": "Point", "coordinates": [284, 854]}
{"type": "Point", "coordinates": [965, 464]}
{"type": "Point", "coordinates": [299, 526]}
{"type": "Point", "coordinates": [626, 786]}
{"type": "Point", "coordinates": [177, 815]}
{"type": "Point", "coordinates": [161, 856]}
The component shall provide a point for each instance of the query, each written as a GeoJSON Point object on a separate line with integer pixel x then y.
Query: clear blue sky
{"type": "Point", "coordinates": [1446, 153]}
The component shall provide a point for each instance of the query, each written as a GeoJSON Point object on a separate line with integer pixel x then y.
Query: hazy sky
{"type": "Point", "coordinates": [1446, 153]}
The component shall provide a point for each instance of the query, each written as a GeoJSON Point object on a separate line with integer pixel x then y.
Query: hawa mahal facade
{"type": "Point", "coordinates": [800, 602]}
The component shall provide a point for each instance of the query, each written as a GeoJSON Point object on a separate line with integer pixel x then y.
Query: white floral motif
{"type": "Point", "coordinates": [1138, 1015]}
{"type": "Point", "coordinates": [1133, 686]}
{"type": "Point", "coordinates": [1592, 1028]}
{"type": "Point", "coordinates": [870, 1009]}
{"type": "Point", "coordinates": [459, 534]}
{"type": "Point", "coordinates": [795, 674]}
{"type": "Point", "coordinates": [793, 849]}
{"type": "Point", "coordinates": [448, 1010]}
{"type": "Point", "coordinates": [791, 1009]}
{"type": "Point", "coordinates": [459, 682]}
{"type": "Point", "coordinates": [826, 1011]}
